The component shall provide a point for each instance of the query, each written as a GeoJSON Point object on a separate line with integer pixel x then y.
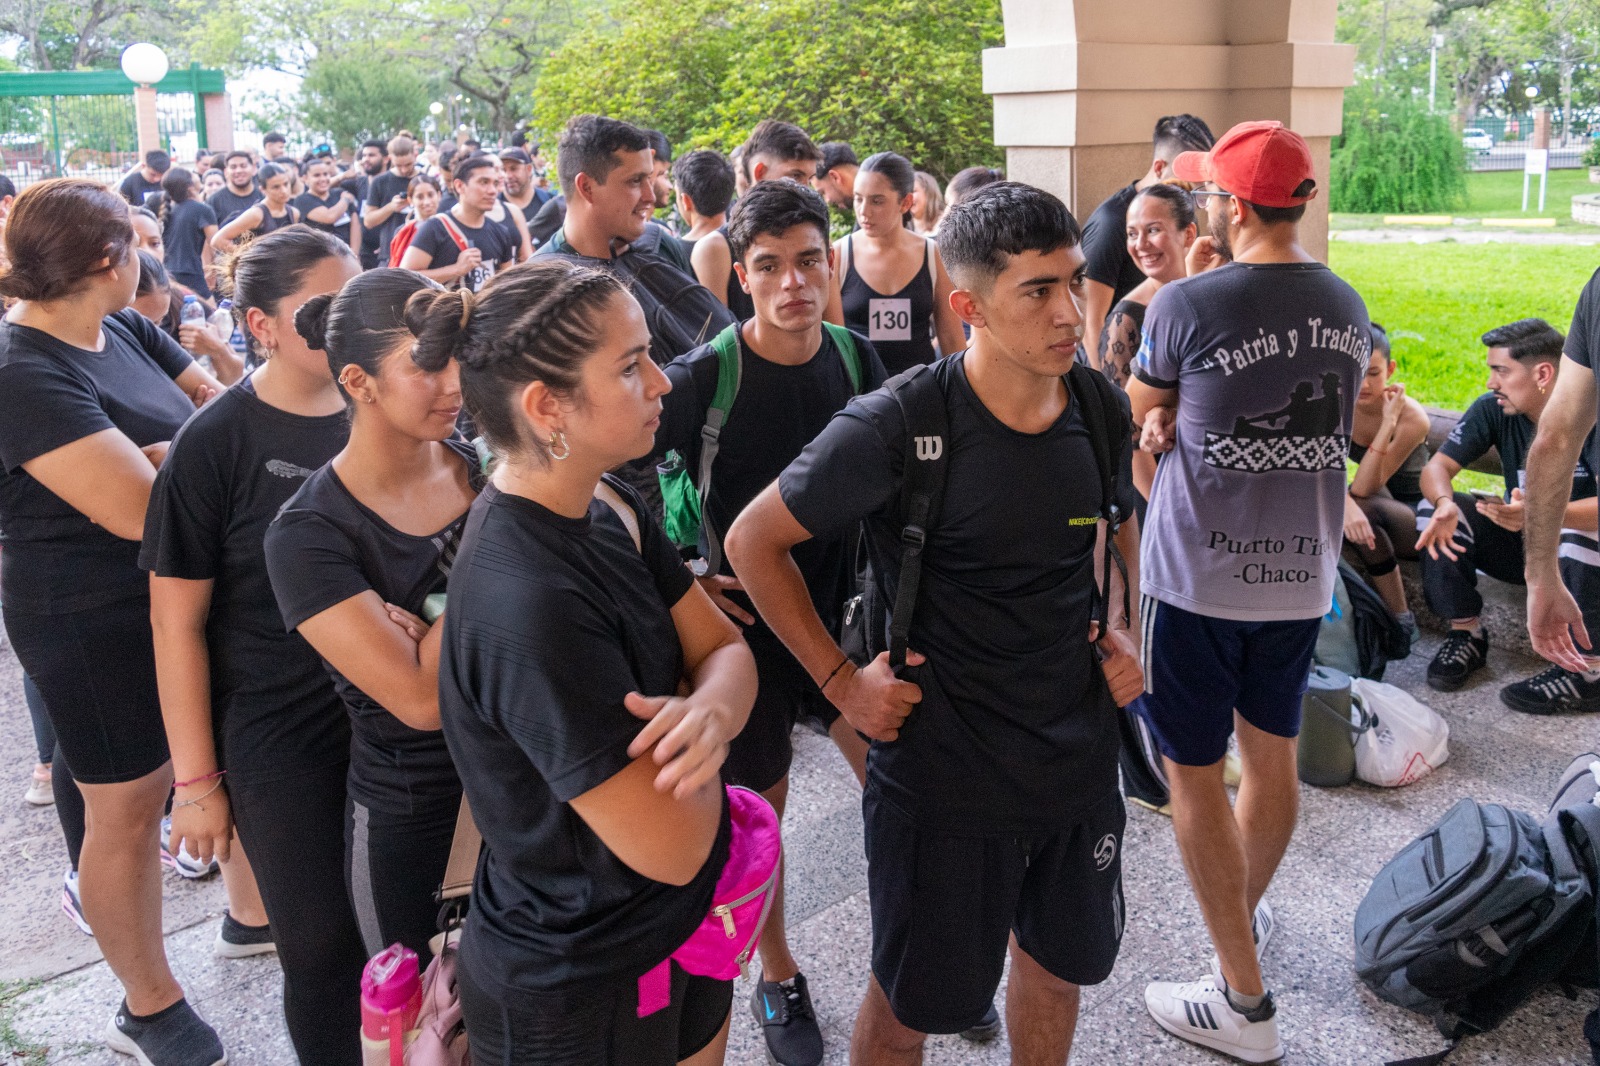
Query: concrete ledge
{"type": "Point", "coordinates": [1505, 610]}
{"type": "Point", "coordinates": [1586, 208]}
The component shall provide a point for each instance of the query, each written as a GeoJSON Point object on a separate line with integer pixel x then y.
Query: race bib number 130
{"type": "Point", "coordinates": [888, 320]}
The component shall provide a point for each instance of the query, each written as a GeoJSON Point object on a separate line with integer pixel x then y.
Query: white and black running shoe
{"type": "Point", "coordinates": [1200, 1013]}
{"type": "Point", "coordinates": [1552, 691]}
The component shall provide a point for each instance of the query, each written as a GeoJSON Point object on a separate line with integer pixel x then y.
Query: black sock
{"type": "Point", "coordinates": [145, 1019]}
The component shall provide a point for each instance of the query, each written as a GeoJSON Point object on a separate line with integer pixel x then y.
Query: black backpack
{"type": "Point", "coordinates": [681, 313]}
{"type": "Point", "coordinates": [866, 628]}
{"type": "Point", "coordinates": [1360, 635]}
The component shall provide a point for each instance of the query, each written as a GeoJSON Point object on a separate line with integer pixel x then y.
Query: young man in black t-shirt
{"type": "Point", "coordinates": [1462, 533]}
{"type": "Point", "coordinates": [145, 180]}
{"type": "Point", "coordinates": [991, 806]}
{"type": "Point", "coordinates": [793, 379]}
{"type": "Point", "coordinates": [372, 160]}
{"type": "Point", "coordinates": [240, 194]}
{"type": "Point", "coordinates": [775, 150]}
{"type": "Point", "coordinates": [387, 202]}
{"type": "Point", "coordinates": [1112, 271]}
{"type": "Point", "coordinates": [437, 249]}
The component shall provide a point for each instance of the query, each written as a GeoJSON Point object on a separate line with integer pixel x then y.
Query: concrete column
{"type": "Point", "coordinates": [1080, 84]}
{"type": "Point", "coordinates": [144, 110]}
{"type": "Point", "coordinates": [219, 122]}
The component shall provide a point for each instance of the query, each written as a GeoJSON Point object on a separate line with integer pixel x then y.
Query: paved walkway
{"type": "Point", "coordinates": [1462, 235]}
{"type": "Point", "coordinates": [1328, 1019]}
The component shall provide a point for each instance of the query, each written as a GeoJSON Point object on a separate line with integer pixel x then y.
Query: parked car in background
{"type": "Point", "coordinates": [1477, 140]}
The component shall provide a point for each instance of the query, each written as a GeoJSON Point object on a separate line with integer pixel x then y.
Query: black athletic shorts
{"type": "Point", "coordinates": [760, 755]}
{"type": "Point", "coordinates": [589, 1025]}
{"type": "Point", "coordinates": [96, 670]}
{"type": "Point", "coordinates": [944, 906]}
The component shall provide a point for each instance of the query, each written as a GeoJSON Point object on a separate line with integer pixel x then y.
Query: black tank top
{"type": "Point", "coordinates": [739, 301]}
{"type": "Point", "coordinates": [270, 222]}
{"type": "Point", "coordinates": [1405, 484]}
{"type": "Point", "coordinates": [899, 325]}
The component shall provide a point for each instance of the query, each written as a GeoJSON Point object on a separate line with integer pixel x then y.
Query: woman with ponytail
{"type": "Point", "coordinates": [260, 742]}
{"type": "Point", "coordinates": [891, 284]}
{"type": "Point", "coordinates": [273, 212]}
{"type": "Point", "coordinates": [571, 624]}
{"type": "Point", "coordinates": [357, 557]}
{"type": "Point", "coordinates": [94, 392]}
{"type": "Point", "coordinates": [187, 227]}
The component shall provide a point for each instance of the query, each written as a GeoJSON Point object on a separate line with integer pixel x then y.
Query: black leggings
{"type": "Point", "coordinates": [1394, 533]}
{"type": "Point", "coordinates": [393, 866]}
{"type": "Point", "coordinates": [69, 801]}
{"type": "Point", "coordinates": [293, 831]}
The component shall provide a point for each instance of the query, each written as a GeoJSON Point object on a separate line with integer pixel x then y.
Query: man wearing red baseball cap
{"type": "Point", "coordinates": [1247, 375]}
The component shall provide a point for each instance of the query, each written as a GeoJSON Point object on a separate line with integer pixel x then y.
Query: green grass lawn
{"type": "Point", "coordinates": [1498, 194]}
{"type": "Point", "coordinates": [1436, 300]}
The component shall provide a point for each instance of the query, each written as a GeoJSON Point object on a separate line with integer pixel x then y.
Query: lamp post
{"type": "Point", "coordinates": [1433, 67]}
{"type": "Point", "coordinates": [145, 65]}
{"type": "Point", "coordinates": [436, 109]}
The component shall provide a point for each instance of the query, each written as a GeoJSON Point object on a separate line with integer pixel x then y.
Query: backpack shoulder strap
{"type": "Point", "coordinates": [846, 343]}
{"type": "Point", "coordinates": [729, 368]}
{"type": "Point", "coordinates": [921, 397]}
{"type": "Point", "coordinates": [1102, 416]}
{"type": "Point", "coordinates": [463, 861]}
{"type": "Point", "coordinates": [450, 227]}
{"type": "Point", "coordinates": [613, 499]}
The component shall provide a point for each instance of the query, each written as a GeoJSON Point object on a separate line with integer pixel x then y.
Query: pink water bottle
{"type": "Point", "coordinates": [391, 1000]}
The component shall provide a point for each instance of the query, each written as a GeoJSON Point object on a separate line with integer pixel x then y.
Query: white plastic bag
{"type": "Point", "coordinates": [1408, 742]}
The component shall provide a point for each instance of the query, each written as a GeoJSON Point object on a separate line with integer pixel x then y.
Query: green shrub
{"type": "Point", "coordinates": [1394, 156]}
{"type": "Point", "coordinates": [1591, 154]}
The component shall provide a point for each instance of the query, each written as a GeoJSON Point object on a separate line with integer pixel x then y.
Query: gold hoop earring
{"type": "Point", "coordinates": [559, 448]}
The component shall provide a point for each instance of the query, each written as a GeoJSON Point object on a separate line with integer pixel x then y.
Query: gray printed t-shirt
{"type": "Point", "coordinates": [1247, 511]}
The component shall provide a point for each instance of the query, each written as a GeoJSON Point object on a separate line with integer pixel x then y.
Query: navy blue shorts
{"type": "Point", "coordinates": [1198, 670]}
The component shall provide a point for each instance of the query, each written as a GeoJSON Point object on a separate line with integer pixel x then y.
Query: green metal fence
{"type": "Point", "coordinates": [82, 123]}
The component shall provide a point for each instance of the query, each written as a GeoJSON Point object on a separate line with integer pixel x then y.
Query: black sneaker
{"type": "Point", "coordinates": [1462, 654]}
{"type": "Point", "coordinates": [176, 1036]}
{"type": "Point", "coordinates": [235, 940]}
{"type": "Point", "coordinates": [985, 1030]}
{"type": "Point", "coordinates": [1555, 691]}
{"type": "Point", "coordinates": [787, 1020]}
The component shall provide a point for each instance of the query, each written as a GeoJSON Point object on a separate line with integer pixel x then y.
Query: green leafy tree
{"type": "Point", "coordinates": [74, 34]}
{"type": "Point", "coordinates": [897, 75]}
{"type": "Point", "coordinates": [1396, 156]}
{"type": "Point", "coordinates": [352, 99]}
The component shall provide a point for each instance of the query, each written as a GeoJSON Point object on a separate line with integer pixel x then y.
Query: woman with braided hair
{"type": "Point", "coordinates": [187, 227]}
{"type": "Point", "coordinates": [571, 624]}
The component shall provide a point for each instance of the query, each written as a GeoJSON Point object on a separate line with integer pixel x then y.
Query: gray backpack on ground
{"type": "Point", "coordinates": [1472, 917]}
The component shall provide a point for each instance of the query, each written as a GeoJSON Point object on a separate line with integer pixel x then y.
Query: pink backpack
{"type": "Point", "coordinates": [722, 946]}
{"type": "Point", "coordinates": [441, 1033]}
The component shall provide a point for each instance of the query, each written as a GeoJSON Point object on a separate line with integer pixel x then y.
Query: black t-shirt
{"type": "Point", "coordinates": [1016, 728]}
{"type": "Point", "coordinates": [380, 190]}
{"type": "Point", "coordinates": [136, 189]}
{"type": "Point", "coordinates": [552, 621]}
{"type": "Point", "coordinates": [1105, 244]}
{"type": "Point", "coordinates": [548, 219]}
{"type": "Point", "coordinates": [778, 411]}
{"type": "Point", "coordinates": [324, 547]}
{"type": "Point", "coordinates": [741, 303]}
{"type": "Point", "coordinates": [231, 469]}
{"type": "Point", "coordinates": [1583, 340]}
{"type": "Point", "coordinates": [185, 238]}
{"type": "Point", "coordinates": [1484, 425]}
{"type": "Point", "coordinates": [228, 206]}
{"type": "Point", "coordinates": [436, 239]}
{"type": "Point", "coordinates": [56, 560]}
{"type": "Point", "coordinates": [508, 227]}
{"type": "Point", "coordinates": [306, 203]}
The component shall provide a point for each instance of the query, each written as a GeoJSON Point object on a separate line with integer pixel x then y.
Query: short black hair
{"type": "Point", "coordinates": [1527, 339]}
{"type": "Point", "coordinates": [447, 155]}
{"type": "Point", "coordinates": [274, 138]}
{"type": "Point", "coordinates": [970, 180]}
{"type": "Point", "coordinates": [707, 178]}
{"type": "Point", "coordinates": [473, 143]}
{"type": "Point", "coordinates": [979, 235]}
{"type": "Point", "coordinates": [373, 142]}
{"type": "Point", "coordinates": [157, 160]}
{"type": "Point", "coordinates": [783, 140]}
{"type": "Point", "coordinates": [7, 187]}
{"type": "Point", "coordinates": [660, 145]}
{"type": "Point", "coordinates": [462, 171]}
{"type": "Point", "coordinates": [1181, 133]}
{"type": "Point", "coordinates": [1272, 216]}
{"type": "Point", "coordinates": [589, 146]}
{"type": "Point", "coordinates": [774, 208]}
{"type": "Point", "coordinates": [238, 153]}
{"type": "Point", "coordinates": [836, 154]}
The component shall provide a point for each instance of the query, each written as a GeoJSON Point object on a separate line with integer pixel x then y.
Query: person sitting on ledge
{"type": "Point", "coordinates": [1523, 363]}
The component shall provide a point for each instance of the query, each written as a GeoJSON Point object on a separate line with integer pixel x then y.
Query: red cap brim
{"type": "Point", "coordinates": [1192, 166]}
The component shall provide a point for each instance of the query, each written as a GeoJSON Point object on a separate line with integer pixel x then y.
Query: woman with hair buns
{"type": "Point", "coordinates": [93, 394]}
{"type": "Point", "coordinates": [260, 742]}
{"type": "Point", "coordinates": [355, 557]}
{"type": "Point", "coordinates": [597, 790]}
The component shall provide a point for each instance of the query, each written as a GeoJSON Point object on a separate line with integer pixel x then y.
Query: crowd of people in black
{"type": "Point", "coordinates": [340, 499]}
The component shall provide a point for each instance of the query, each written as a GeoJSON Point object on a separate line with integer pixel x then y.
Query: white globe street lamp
{"type": "Point", "coordinates": [436, 109]}
{"type": "Point", "coordinates": [1531, 92]}
{"type": "Point", "coordinates": [144, 64]}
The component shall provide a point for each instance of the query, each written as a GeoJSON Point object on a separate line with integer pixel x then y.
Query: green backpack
{"type": "Point", "coordinates": [683, 498]}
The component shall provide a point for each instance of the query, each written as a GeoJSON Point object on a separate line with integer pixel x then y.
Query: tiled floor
{"type": "Point", "coordinates": [1328, 1018]}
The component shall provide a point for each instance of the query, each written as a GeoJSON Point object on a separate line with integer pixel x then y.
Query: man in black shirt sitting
{"type": "Point", "coordinates": [1462, 533]}
{"type": "Point", "coordinates": [993, 818]}
{"type": "Point", "coordinates": [1112, 271]}
{"type": "Point", "coordinates": [145, 179]}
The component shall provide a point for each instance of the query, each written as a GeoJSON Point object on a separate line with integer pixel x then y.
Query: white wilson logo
{"type": "Point", "coordinates": [929, 448]}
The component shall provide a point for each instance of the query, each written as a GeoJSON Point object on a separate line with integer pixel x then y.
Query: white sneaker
{"type": "Point", "coordinates": [1261, 925]}
{"type": "Point", "coordinates": [1200, 1013]}
{"type": "Point", "coordinates": [183, 864]}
